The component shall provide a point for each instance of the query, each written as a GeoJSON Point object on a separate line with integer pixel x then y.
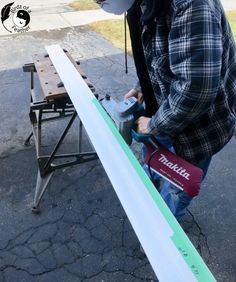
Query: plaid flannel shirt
{"type": "Point", "coordinates": [191, 59]}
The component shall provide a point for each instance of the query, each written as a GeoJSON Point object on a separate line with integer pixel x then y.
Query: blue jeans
{"type": "Point", "coordinates": [176, 199]}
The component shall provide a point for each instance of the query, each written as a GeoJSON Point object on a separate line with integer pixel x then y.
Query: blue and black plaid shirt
{"type": "Point", "coordinates": [191, 60]}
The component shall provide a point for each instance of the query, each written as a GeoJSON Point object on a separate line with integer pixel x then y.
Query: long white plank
{"type": "Point", "coordinates": [168, 249]}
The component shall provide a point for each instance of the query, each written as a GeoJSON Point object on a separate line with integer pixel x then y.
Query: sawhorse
{"type": "Point", "coordinates": [55, 104]}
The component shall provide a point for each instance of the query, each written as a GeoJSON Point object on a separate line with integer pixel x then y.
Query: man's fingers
{"type": "Point", "coordinates": [136, 94]}
{"type": "Point", "coordinates": [131, 93]}
{"type": "Point", "coordinates": [140, 97]}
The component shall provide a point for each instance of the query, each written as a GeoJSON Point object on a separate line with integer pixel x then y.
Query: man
{"type": "Point", "coordinates": [190, 57]}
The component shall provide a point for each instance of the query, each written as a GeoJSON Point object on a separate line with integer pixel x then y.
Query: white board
{"type": "Point", "coordinates": [168, 249]}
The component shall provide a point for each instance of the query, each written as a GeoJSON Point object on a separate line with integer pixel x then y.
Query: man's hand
{"type": "Point", "coordinates": [133, 93]}
{"type": "Point", "coordinates": [142, 124]}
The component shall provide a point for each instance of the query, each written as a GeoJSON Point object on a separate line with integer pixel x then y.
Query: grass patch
{"type": "Point", "coordinates": [113, 31]}
{"type": "Point", "coordinates": [80, 5]}
{"type": "Point", "coordinates": [232, 20]}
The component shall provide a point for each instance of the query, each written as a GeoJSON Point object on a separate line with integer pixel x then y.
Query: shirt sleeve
{"type": "Point", "coordinates": [195, 52]}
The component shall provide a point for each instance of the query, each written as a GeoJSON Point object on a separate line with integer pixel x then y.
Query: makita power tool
{"type": "Point", "coordinates": [158, 158]}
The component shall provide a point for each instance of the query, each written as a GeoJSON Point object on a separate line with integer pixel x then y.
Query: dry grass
{"type": "Point", "coordinates": [80, 5]}
{"type": "Point", "coordinates": [113, 31]}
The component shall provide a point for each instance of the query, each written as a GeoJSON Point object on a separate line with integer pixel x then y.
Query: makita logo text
{"type": "Point", "coordinates": [180, 170]}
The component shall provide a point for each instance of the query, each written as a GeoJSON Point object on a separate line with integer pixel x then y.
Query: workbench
{"type": "Point", "coordinates": [48, 105]}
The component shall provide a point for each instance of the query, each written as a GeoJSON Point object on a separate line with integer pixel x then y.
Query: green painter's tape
{"type": "Point", "coordinates": [179, 238]}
